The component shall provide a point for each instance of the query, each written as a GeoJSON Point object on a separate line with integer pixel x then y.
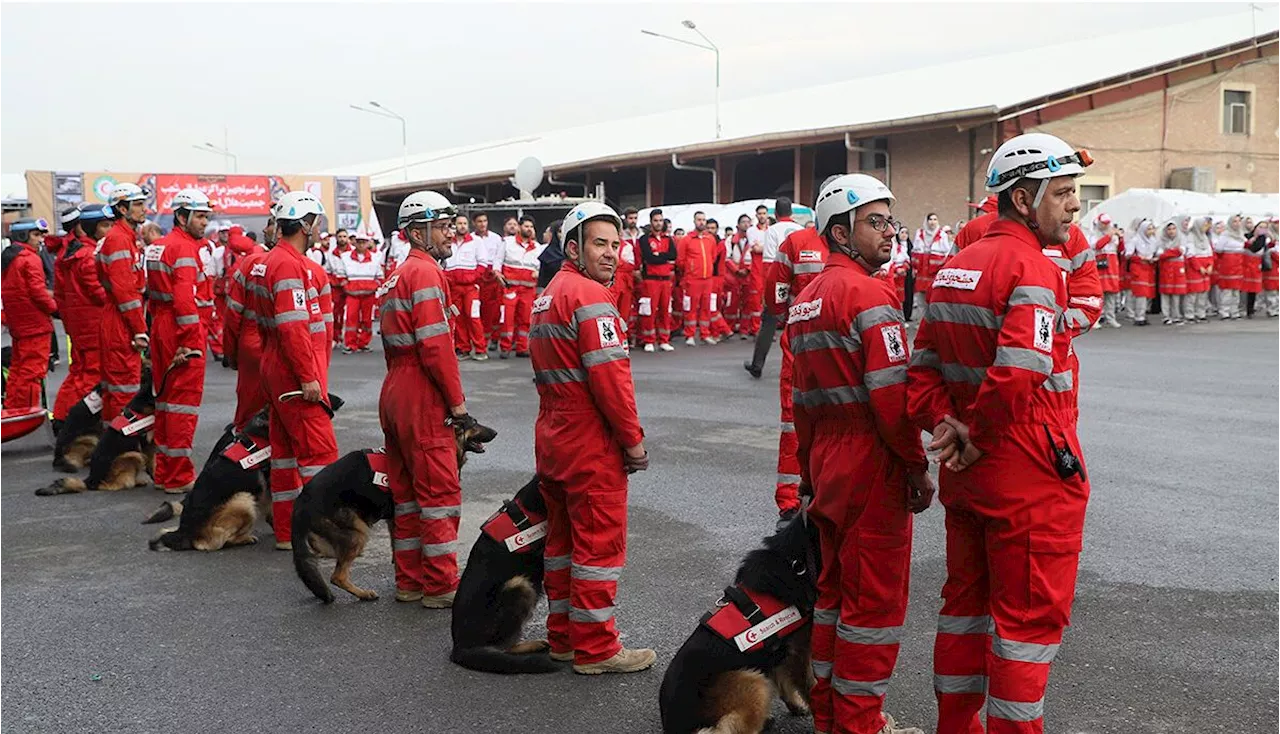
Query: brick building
{"type": "Point", "coordinates": [1190, 106]}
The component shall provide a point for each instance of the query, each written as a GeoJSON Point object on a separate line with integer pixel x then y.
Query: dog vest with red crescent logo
{"type": "Point", "coordinates": [750, 619]}
{"type": "Point", "coordinates": [128, 424]}
{"type": "Point", "coordinates": [247, 452]}
{"type": "Point", "coordinates": [378, 463]}
{"type": "Point", "coordinates": [515, 527]}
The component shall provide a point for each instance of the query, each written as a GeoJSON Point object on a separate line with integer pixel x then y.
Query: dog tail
{"type": "Point", "coordinates": [492, 660]}
{"type": "Point", "coordinates": [304, 562]}
{"type": "Point", "coordinates": [65, 485]}
{"type": "Point", "coordinates": [167, 511]}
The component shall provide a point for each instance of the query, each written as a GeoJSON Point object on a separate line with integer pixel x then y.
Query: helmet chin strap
{"type": "Point", "coordinates": [1044, 186]}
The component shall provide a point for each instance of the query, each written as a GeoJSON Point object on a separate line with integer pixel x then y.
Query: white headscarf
{"type": "Point", "coordinates": [1197, 242]}
{"type": "Point", "coordinates": [1140, 244]}
{"type": "Point", "coordinates": [1170, 243]}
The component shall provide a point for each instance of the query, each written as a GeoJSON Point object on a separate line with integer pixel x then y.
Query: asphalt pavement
{"type": "Point", "coordinates": [1174, 627]}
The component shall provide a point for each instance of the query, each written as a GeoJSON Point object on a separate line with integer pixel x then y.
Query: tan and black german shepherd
{"type": "Point", "coordinates": [337, 506]}
{"type": "Point", "coordinates": [122, 456]}
{"type": "Point", "coordinates": [78, 435]}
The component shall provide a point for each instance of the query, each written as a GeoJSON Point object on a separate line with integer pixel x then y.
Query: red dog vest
{"type": "Point", "coordinates": [247, 452]}
{"type": "Point", "coordinates": [748, 619]}
{"type": "Point", "coordinates": [515, 527]}
{"type": "Point", "coordinates": [128, 424]}
{"type": "Point", "coordinates": [378, 463]}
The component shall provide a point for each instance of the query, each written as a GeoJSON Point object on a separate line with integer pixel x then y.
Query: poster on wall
{"type": "Point", "coordinates": [68, 189]}
{"type": "Point", "coordinates": [229, 195]}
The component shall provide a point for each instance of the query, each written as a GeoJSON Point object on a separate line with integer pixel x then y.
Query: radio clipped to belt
{"type": "Point", "coordinates": [1064, 461]}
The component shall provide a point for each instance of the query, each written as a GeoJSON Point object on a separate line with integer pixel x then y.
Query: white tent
{"type": "Point", "coordinates": [1161, 205]}
{"type": "Point", "coordinates": [1258, 206]}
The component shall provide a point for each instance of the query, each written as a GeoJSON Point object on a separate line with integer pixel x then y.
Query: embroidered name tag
{"type": "Point", "coordinates": [766, 629]}
{"type": "Point", "coordinates": [525, 537]}
{"type": "Point", "coordinates": [965, 280]}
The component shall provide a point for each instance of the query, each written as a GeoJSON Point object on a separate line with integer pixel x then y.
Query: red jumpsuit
{"type": "Point", "coordinates": [719, 295]}
{"type": "Point", "coordinates": [422, 384]}
{"type": "Point", "coordinates": [206, 303]}
{"type": "Point", "coordinates": [362, 280]}
{"type": "Point", "coordinates": [698, 252]}
{"type": "Point", "coordinates": [28, 312]}
{"type": "Point", "coordinates": [800, 258]}
{"type": "Point", "coordinates": [1173, 272]}
{"type": "Point", "coordinates": [121, 273]}
{"type": "Point", "coordinates": [624, 278]}
{"type": "Point", "coordinates": [80, 298]}
{"type": "Point", "coordinates": [490, 289]}
{"type": "Point", "coordinates": [587, 416]}
{"type": "Point", "coordinates": [243, 341]}
{"type": "Point", "coordinates": [1109, 277]}
{"type": "Point", "coordinates": [173, 275]}
{"type": "Point", "coordinates": [336, 282]}
{"type": "Point", "coordinates": [295, 350]}
{"type": "Point", "coordinates": [463, 274]}
{"type": "Point", "coordinates": [741, 298]}
{"type": "Point", "coordinates": [519, 267]}
{"type": "Point", "coordinates": [657, 268]}
{"type": "Point", "coordinates": [992, 352]}
{"type": "Point", "coordinates": [237, 246]}
{"type": "Point", "coordinates": [856, 445]}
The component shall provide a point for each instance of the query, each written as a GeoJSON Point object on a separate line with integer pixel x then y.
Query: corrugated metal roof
{"type": "Point", "coordinates": [991, 83]}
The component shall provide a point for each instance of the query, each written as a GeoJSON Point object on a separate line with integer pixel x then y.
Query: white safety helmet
{"type": "Point", "coordinates": [126, 192]}
{"type": "Point", "coordinates": [846, 193]}
{"type": "Point", "coordinates": [193, 200]}
{"type": "Point", "coordinates": [296, 205]}
{"type": "Point", "coordinates": [424, 206]}
{"type": "Point", "coordinates": [583, 213]}
{"type": "Point", "coordinates": [1034, 155]}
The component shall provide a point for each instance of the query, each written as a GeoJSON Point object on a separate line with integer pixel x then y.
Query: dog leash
{"type": "Point", "coordinates": [295, 394]}
{"type": "Point", "coordinates": [177, 362]}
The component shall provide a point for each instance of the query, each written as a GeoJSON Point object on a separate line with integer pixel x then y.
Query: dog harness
{"type": "Point", "coordinates": [128, 423]}
{"type": "Point", "coordinates": [378, 463]}
{"type": "Point", "coordinates": [247, 452]}
{"type": "Point", "coordinates": [515, 527]}
{"type": "Point", "coordinates": [93, 401]}
{"type": "Point", "coordinates": [752, 620]}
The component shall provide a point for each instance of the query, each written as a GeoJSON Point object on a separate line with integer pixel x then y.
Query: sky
{"type": "Point", "coordinates": [279, 78]}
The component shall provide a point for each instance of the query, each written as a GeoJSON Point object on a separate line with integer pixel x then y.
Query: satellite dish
{"type": "Point", "coordinates": [528, 175]}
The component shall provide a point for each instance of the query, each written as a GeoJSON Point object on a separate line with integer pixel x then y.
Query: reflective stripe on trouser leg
{"type": "Point", "coordinates": [524, 314]}
{"type": "Point", "coordinates": [434, 471]}
{"type": "Point", "coordinates": [599, 537]}
{"type": "Point", "coordinates": [963, 637]}
{"type": "Point", "coordinates": [302, 444]}
{"type": "Point", "coordinates": [212, 328]}
{"type": "Point", "coordinates": [654, 323]}
{"type": "Point", "coordinates": [823, 643]}
{"type": "Point", "coordinates": [406, 535]}
{"type": "Point", "coordinates": [29, 363]}
{"type": "Point", "coordinates": [556, 563]}
{"type": "Point", "coordinates": [177, 414]}
{"type": "Point", "coordinates": [121, 364]}
{"type": "Point", "coordinates": [787, 489]}
{"type": "Point", "coordinates": [351, 319]}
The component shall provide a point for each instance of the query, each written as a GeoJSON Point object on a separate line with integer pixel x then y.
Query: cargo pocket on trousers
{"type": "Point", "coordinates": [1052, 561]}
{"type": "Point", "coordinates": [607, 524]}
{"type": "Point", "coordinates": [883, 564]}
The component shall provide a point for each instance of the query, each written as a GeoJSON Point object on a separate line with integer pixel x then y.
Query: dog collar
{"type": "Point", "coordinates": [378, 463]}
{"type": "Point", "coordinates": [752, 620]}
{"type": "Point", "coordinates": [128, 424]}
{"type": "Point", "coordinates": [247, 452]}
{"type": "Point", "coordinates": [515, 527]}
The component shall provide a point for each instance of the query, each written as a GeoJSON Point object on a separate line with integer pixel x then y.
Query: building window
{"type": "Point", "coordinates": [1091, 196]}
{"type": "Point", "coordinates": [1235, 111]}
{"type": "Point", "coordinates": [873, 161]}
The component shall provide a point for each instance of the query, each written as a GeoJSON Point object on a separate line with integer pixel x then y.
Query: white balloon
{"type": "Point", "coordinates": [528, 174]}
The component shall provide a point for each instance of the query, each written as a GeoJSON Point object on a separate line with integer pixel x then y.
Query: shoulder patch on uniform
{"type": "Point", "coordinates": [258, 270]}
{"type": "Point", "coordinates": [895, 342]}
{"type": "Point", "coordinates": [781, 293]}
{"type": "Point", "coordinates": [809, 256]}
{"type": "Point", "coordinates": [154, 253]}
{"type": "Point", "coordinates": [1044, 330]}
{"type": "Point", "coordinates": [804, 311]}
{"type": "Point", "coordinates": [610, 336]}
{"type": "Point", "coordinates": [541, 304]}
{"type": "Point", "coordinates": [315, 307]}
{"type": "Point", "coordinates": [299, 299]}
{"type": "Point", "coordinates": [965, 280]}
{"type": "Point", "coordinates": [386, 287]}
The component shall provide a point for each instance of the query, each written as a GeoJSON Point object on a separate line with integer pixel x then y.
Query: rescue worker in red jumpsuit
{"type": "Point", "coordinates": [124, 327]}
{"type": "Point", "coordinates": [28, 310]}
{"type": "Point", "coordinates": [285, 296]}
{"type": "Point", "coordinates": [80, 298]}
{"type": "Point", "coordinates": [337, 281]}
{"type": "Point", "coordinates": [626, 279]}
{"type": "Point", "coordinates": [242, 340]}
{"type": "Point", "coordinates": [800, 258]}
{"type": "Point", "coordinates": [361, 272]}
{"type": "Point", "coordinates": [860, 453]}
{"type": "Point", "coordinates": [658, 253]}
{"type": "Point", "coordinates": [991, 380]}
{"type": "Point", "coordinates": [586, 440]}
{"type": "Point", "coordinates": [421, 406]}
{"type": "Point", "coordinates": [696, 265]}
{"type": "Point", "coordinates": [174, 275]}
{"type": "Point", "coordinates": [516, 268]}
{"type": "Point", "coordinates": [206, 300]}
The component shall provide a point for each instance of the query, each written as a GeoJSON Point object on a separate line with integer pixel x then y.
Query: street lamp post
{"type": "Point", "coordinates": [709, 46]}
{"type": "Point", "coordinates": [226, 154]}
{"type": "Point", "coordinates": [381, 111]}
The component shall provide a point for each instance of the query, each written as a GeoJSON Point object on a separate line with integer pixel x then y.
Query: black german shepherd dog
{"type": "Point", "coordinates": [78, 434]}
{"type": "Point", "coordinates": [337, 507]}
{"type": "Point", "coordinates": [499, 589]}
{"type": "Point", "coordinates": [122, 458]}
{"type": "Point", "coordinates": [712, 683]}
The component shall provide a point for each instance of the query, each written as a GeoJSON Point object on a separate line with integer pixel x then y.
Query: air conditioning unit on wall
{"type": "Point", "coordinates": [1193, 179]}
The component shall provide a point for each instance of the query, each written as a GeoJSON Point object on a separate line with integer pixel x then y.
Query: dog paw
{"type": "Point", "coordinates": [368, 595]}
{"type": "Point", "coordinates": [143, 480]}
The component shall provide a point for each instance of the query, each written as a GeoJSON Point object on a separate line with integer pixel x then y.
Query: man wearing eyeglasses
{"type": "Point", "coordinates": [29, 309]}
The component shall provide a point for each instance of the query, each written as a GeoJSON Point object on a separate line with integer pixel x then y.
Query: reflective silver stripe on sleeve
{"type": "Point", "coordinates": [177, 408]}
{"type": "Point", "coordinates": [590, 615]}
{"type": "Point", "coordinates": [876, 379]}
{"type": "Point", "coordinates": [129, 305]}
{"type": "Point", "coordinates": [783, 259]}
{"type": "Point", "coordinates": [963, 314]}
{"type": "Point", "coordinates": [1059, 382]}
{"type": "Point", "coordinates": [290, 316]}
{"type": "Point", "coordinates": [787, 427]}
{"type": "Point", "coordinates": [594, 311]}
{"type": "Point", "coordinates": [431, 550]}
{"type": "Point", "coordinates": [174, 453]}
{"type": "Point", "coordinates": [1014, 710]}
{"type": "Point", "coordinates": [426, 332]}
{"type": "Point", "coordinates": [397, 340]}
{"type": "Point", "coordinates": [208, 304]}
{"type": "Point", "coordinates": [326, 290]}
{"type": "Point", "coordinates": [1077, 318]}
{"type": "Point", "coordinates": [404, 544]}
{"type": "Point", "coordinates": [873, 688]}
{"type": "Point", "coordinates": [406, 508]}
{"type": "Point", "coordinates": [596, 573]}
{"type": "Point", "coordinates": [821, 669]}
{"type": "Point", "coordinates": [952, 625]}
{"type": "Point", "coordinates": [557, 606]}
{"type": "Point", "coordinates": [328, 318]}
{"type": "Point", "coordinates": [159, 296]}
{"type": "Point", "coordinates": [123, 388]}
{"type": "Point", "coordinates": [553, 331]}
{"type": "Point", "coordinates": [869, 635]}
{"type": "Point", "coordinates": [258, 290]}
{"type": "Point", "coordinates": [427, 294]}
{"type": "Point", "coordinates": [186, 262]}
{"type": "Point", "coordinates": [1033, 295]}
{"type": "Point", "coordinates": [187, 320]}
{"type": "Point", "coordinates": [960, 683]}
{"type": "Point", "coordinates": [121, 255]}
{"type": "Point", "coordinates": [1023, 652]}
{"type": "Point", "coordinates": [440, 513]}
{"type": "Point", "coordinates": [876, 316]}
{"type": "Point", "coordinates": [842, 395]}
{"type": "Point", "coordinates": [1027, 359]}
{"type": "Point", "coordinates": [1082, 257]}
{"type": "Point", "coordinates": [288, 496]}
{"type": "Point", "coordinates": [925, 358]}
{"type": "Point", "coordinates": [559, 377]}
{"type": "Point", "coordinates": [815, 340]}
{"type": "Point", "coordinates": [286, 284]}
{"type": "Point", "coordinates": [284, 463]}
{"type": "Point", "coordinates": [555, 563]}
{"type": "Point", "coordinates": [310, 471]}
{"type": "Point", "coordinates": [396, 304]}
{"type": "Point", "coordinates": [826, 616]}
{"type": "Point", "coordinates": [598, 357]}
{"type": "Point", "coordinates": [788, 479]}
{"type": "Point", "coordinates": [952, 372]}
{"type": "Point", "coordinates": [159, 267]}
{"type": "Point", "coordinates": [235, 305]}
{"type": "Point", "coordinates": [808, 268]}
{"type": "Point", "coordinates": [316, 327]}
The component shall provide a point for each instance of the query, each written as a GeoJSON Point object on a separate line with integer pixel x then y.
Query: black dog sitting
{"type": "Point", "coordinates": [499, 589]}
{"type": "Point", "coordinates": [759, 633]}
{"type": "Point", "coordinates": [78, 434]}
